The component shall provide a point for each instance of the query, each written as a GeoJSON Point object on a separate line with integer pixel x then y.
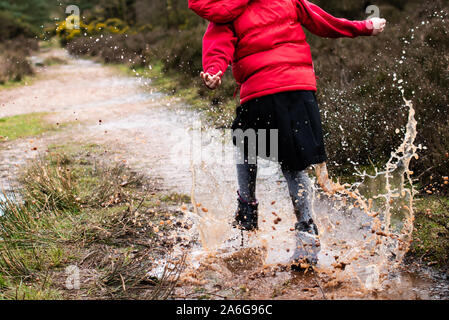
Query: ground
{"type": "Point", "coordinates": [94, 117]}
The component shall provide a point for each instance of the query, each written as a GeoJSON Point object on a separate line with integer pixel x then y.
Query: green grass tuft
{"type": "Point", "coordinates": [54, 61]}
{"type": "Point", "coordinates": [431, 235]}
{"type": "Point", "coordinates": [24, 125]}
{"type": "Point", "coordinates": [25, 81]}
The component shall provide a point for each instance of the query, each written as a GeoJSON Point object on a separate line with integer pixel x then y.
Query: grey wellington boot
{"type": "Point", "coordinates": [307, 244]}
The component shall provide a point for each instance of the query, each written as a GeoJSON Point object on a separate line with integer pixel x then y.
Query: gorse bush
{"type": "Point", "coordinates": [67, 32]}
{"type": "Point", "coordinates": [123, 48]}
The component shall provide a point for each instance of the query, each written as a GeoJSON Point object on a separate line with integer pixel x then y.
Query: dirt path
{"type": "Point", "coordinates": [83, 93]}
{"type": "Point", "coordinates": [152, 133]}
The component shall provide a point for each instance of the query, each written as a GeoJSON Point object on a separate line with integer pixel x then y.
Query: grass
{"type": "Point", "coordinates": [24, 125]}
{"type": "Point", "coordinates": [54, 61]}
{"type": "Point", "coordinates": [74, 209]}
{"type": "Point", "coordinates": [26, 81]}
{"type": "Point", "coordinates": [431, 227]}
{"type": "Point", "coordinates": [431, 234]}
{"type": "Point", "coordinates": [37, 291]}
{"type": "Point", "coordinates": [49, 44]}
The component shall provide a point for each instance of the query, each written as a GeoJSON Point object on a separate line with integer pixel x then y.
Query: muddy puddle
{"type": "Point", "coordinates": [365, 228]}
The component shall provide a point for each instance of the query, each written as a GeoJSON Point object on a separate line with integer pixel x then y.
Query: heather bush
{"type": "Point", "coordinates": [360, 84]}
{"type": "Point", "coordinates": [14, 64]}
{"type": "Point", "coordinates": [355, 9]}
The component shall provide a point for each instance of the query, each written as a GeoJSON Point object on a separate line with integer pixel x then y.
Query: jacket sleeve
{"type": "Point", "coordinates": [321, 23]}
{"type": "Point", "coordinates": [219, 43]}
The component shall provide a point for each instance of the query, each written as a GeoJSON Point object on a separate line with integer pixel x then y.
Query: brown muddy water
{"type": "Point", "coordinates": [365, 228]}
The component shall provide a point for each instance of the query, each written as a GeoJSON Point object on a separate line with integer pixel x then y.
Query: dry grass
{"type": "Point", "coordinates": [107, 220]}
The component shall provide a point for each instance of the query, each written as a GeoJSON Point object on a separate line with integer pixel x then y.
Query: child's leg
{"type": "Point", "coordinates": [307, 245]}
{"type": "Point", "coordinates": [246, 176]}
{"type": "Point", "coordinates": [300, 188]}
{"type": "Point", "coordinates": [246, 217]}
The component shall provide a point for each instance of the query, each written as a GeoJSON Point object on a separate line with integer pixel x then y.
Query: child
{"type": "Point", "coordinates": [272, 64]}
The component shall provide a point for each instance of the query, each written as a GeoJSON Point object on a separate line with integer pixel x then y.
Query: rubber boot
{"type": "Point", "coordinates": [307, 245]}
{"type": "Point", "coordinates": [246, 217]}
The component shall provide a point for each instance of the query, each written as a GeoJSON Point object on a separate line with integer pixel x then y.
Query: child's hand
{"type": "Point", "coordinates": [378, 25]}
{"type": "Point", "coordinates": [212, 82]}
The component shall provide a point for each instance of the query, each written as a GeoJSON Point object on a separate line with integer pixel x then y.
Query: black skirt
{"type": "Point", "coordinates": [296, 118]}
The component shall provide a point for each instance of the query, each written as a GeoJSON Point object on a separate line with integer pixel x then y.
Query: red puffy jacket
{"type": "Point", "coordinates": [264, 41]}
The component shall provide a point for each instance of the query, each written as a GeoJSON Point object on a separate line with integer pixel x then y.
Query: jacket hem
{"type": "Point", "coordinates": [277, 90]}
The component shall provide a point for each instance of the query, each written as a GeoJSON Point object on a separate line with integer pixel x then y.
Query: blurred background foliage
{"type": "Point", "coordinates": [360, 80]}
{"type": "Point", "coordinates": [23, 17]}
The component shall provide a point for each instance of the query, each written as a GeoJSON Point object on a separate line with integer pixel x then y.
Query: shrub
{"type": "Point", "coordinates": [14, 64]}
{"type": "Point", "coordinates": [11, 28]}
{"type": "Point", "coordinates": [93, 29]}
{"type": "Point", "coordinates": [361, 100]}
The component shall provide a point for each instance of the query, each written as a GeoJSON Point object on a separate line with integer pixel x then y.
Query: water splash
{"type": "Point", "coordinates": [365, 227]}
{"type": "Point", "coordinates": [369, 224]}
